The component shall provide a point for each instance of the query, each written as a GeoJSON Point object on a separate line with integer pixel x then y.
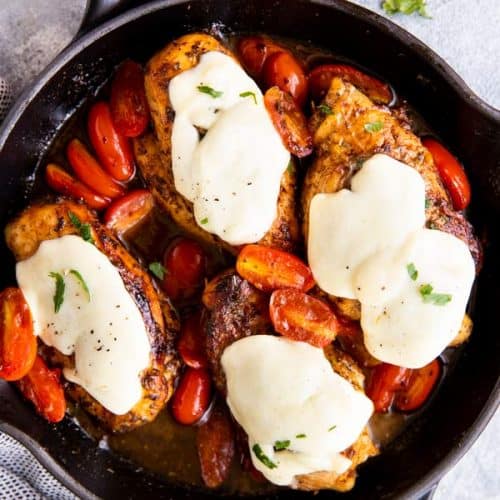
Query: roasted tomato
{"type": "Point", "coordinates": [384, 382]}
{"type": "Point", "coordinates": [112, 148]}
{"type": "Point", "coordinates": [321, 77]}
{"type": "Point", "coordinates": [283, 70]}
{"type": "Point", "coordinates": [90, 172]}
{"type": "Point", "coordinates": [269, 269]}
{"type": "Point", "coordinates": [191, 343]}
{"type": "Point", "coordinates": [299, 316]}
{"type": "Point", "coordinates": [127, 212]}
{"type": "Point", "coordinates": [451, 172]}
{"type": "Point", "coordinates": [62, 182]}
{"type": "Point", "coordinates": [289, 121]}
{"type": "Point", "coordinates": [17, 340]}
{"type": "Point", "coordinates": [253, 52]}
{"type": "Point", "coordinates": [185, 263]}
{"type": "Point", "coordinates": [129, 106]}
{"type": "Point", "coordinates": [43, 388]}
{"type": "Point", "coordinates": [192, 396]}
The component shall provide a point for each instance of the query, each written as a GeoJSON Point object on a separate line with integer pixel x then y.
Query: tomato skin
{"type": "Point", "coordinates": [321, 77]}
{"type": "Point", "coordinates": [384, 382]}
{"type": "Point", "coordinates": [284, 71]}
{"type": "Point", "coordinates": [88, 170]}
{"type": "Point", "coordinates": [289, 121]}
{"type": "Point", "coordinates": [18, 344]}
{"type": "Point", "coordinates": [268, 269]}
{"type": "Point", "coordinates": [191, 343]}
{"type": "Point", "coordinates": [451, 172]}
{"type": "Point", "coordinates": [192, 396]}
{"type": "Point", "coordinates": [420, 385]}
{"type": "Point", "coordinates": [253, 52]}
{"type": "Point", "coordinates": [124, 213]}
{"type": "Point", "coordinates": [299, 316]}
{"type": "Point", "coordinates": [128, 103]}
{"type": "Point", "coordinates": [62, 182]}
{"type": "Point", "coordinates": [185, 263]}
{"type": "Point", "coordinates": [42, 387]}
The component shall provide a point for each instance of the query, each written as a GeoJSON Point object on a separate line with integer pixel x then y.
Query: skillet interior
{"type": "Point", "coordinates": [466, 399]}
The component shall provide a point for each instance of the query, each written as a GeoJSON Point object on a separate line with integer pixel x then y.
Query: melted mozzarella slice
{"type": "Point", "coordinates": [105, 332]}
{"type": "Point", "coordinates": [233, 173]}
{"type": "Point", "coordinates": [283, 390]}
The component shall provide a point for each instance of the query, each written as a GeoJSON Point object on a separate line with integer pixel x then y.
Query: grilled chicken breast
{"type": "Point", "coordinates": [48, 221]}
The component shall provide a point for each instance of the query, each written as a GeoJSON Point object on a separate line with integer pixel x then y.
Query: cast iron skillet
{"type": "Point", "coordinates": [470, 394]}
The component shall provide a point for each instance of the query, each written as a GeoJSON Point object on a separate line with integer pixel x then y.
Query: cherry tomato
{"type": "Point", "coordinates": [126, 212]}
{"type": "Point", "coordinates": [289, 121]}
{"type": "Point", "coordinates": [90, 172]}
{"type": "Point", "coordinates": [191, 343]}
{"type": "Point", "coordinates": [269, 269]}
{"type": "Point", "coordinates": [320, 79]}
{"type": "Point", "coordinates": [385, 381]}
{"type": "Point", "coordinates": [253, 52]}
{"type": "Point", "coordinates": [112, 148]}
{"type": "Point", "coordinates": [62, 182]}
{"type": "Point", "coordinates": [192, 396]}
{"type": "Point", "coordinates": [43, 388]}
{"type": "Point", "coordinates": [17, 340]}
{"type": "Point", "coordinates": [451, 172]}
{"type": "Point", "coordinates": [129, 106]}
{"type": "Point", "coordinates": [185, 263]}
{"type": "Point", "coordinates": [299, 316]}
{"type": "Point", "coordinates": [419, 387]}
{"type": "Point", "coordinates": [283, 70]}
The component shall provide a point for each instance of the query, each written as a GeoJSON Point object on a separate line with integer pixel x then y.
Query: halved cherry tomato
{"type": "Point", "coordinates": [321, 77]}
{"type": "Point", "coordinates": [112, 148]}
{"type": "Point", "coordinates": [17, 340]}
{"type": "Point", "coordinates": [384, 382]}
{"type": "Point", "coordinates": [185, 263]}
{"type": "Point", "coordinates": [192, 396]}
{"type": "Point", "coordinates": [126, 212]}
{"type": "Point", "coordinates": [90, 172]}
{"type": "Point", "coordinates": [269, 269]}
{"type": "Point", "coordinates": [191, 343]}
{"type": "Point", "coordinates": [129, 106]}
{"type": "Point", "coordinates": [253, 52]}
{"type": "Point", "coordinates": [299, 316]}
{"type": "Point", "coordinates": [451, 172]}
{"type": "Point", "coordinates": [283, 70]}
{"type": "Point", "coordinates": [419, 387]}
{"type": "Point", "coordinates": [289, 121]}
{"type": "Point", "coordinates": [43, 388]}
{"type": "Point", "coordinates": [62, 182]}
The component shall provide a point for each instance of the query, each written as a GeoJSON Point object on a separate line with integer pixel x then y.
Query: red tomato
{"type": "Point", "coordinates": [17, 341]}
{"type": "Point", "coordinates": [385, 381]}
{"type": "Point", "coordinates": [185, 263]}
{"type": "Point", "coordinates": [269, 269]}
{"type": "Point", "coordinates": [253, 52]}
{"type": "Point", "coordinates": [420, 385]}
{"type": "Point", "coordinates": [129, 106]}
{"type": "Point", "coordinates": [451, 172]}
{"type": "Point", "coordinates": [126, 212]}
{"type": "Point", "coordinates": [191, 343]}
{"type": "Point", "coordinates": [62, 182]}
{"type": "Point", "coordinates": [321, 77]}
{"type": "Point", "coordinates": [192, 396]}
{"type": "Point", "coordinates": [289, 121]}
{"type": "Point", "coordinates": [112, 148]}
{"type": "Point", "coordinates": [299, 316]}
{"type": "Point", "coordinates": [283, 70]}
{"type": "Point", "coordinates": [90, 172]}
{"type": "Point", "coordinates": [43, 388]}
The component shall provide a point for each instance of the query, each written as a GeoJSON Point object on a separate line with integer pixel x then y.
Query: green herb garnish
{"type": "Point", "coordinates": [80, 280]}
{"type": "Point", "coordinates": [331, 428]}
{"type": "Point", "coordinates": [248, 93]}
{"type": "Point", "coordinates": [405, 7]}
{"type": "Point", "coordinates": [325, 109]}
{"type": "Point", "coordinates": [204, 221]}
{"type": "Point", "coordinates": [373, 127]}
{"type": "Point", "coordinates": [263, 457]}
{"type": "Point", "coordinates": [300, 436]}
{"type": "Point", "coordinates": [205, 89]}
{"type": "Point", "coordinates": [281, 445]}
{"type": "Point", "coordinates": [59, 293]}
{"type": "Point", "coordinates": [291, 167]}
{"type": "Point", "coordinates": [157, 269]}
{"type": "Point", "coordinates": [427, 203]}
{"type": "Point", "coordinates": [412, 271]}
{"type": "Point", "coordinates": [438, 299]}
{"type": "Point", "coordinates": [84, 229]}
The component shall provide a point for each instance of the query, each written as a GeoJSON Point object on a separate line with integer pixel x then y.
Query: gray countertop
{"type": "Point", "coordinates": [464, 32]}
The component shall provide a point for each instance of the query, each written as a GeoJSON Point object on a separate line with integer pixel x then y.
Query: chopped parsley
{"type": "Point", "coordinates": [249, 93]}
{"type": "Point", "coordinates": [81, 281]}
{"type": "Point", "coordinates": [204, 221]}
{"type": "Point", "coordinates": [263, 457]}
{"type": "Point", "coordinates": [331, 428]}
{"type": "Point", "coordinates": [300, 436]}
{"type": "Point", "coordinates": [291, 167]}
{"type": "Point", "coordinates": [205, 89]}
{"type": "Point", "coordinates": [373, 127]}
{"type": "Point", "coordinates": [281, 445]}
{"type": "Point", "coordinates": [429, 297]}
{"type": "Point", "coordinates": [412, 271]}
{"type": "Point", "coordinates": [59, 293]}
{"type": "Point", "coordinates": [325, 109]}
{"type": "Point", "coordinates": [84, 229]}
{"type": "Point", "coordinates": [405, 7]}
{"type": "Point", "coordinates": [157, 269]}
{"type": "Point", "coordinates": [427, 203]}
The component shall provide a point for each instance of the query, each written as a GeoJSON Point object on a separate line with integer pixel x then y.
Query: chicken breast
{"type": "Point", "coordinates": [41, 222]}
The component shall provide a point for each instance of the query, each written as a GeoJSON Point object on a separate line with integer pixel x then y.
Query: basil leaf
{"type": "Point", "coordinates": [325, 109]}
{"type": "Point", "coordinates": [157, 269]}
{"type": "Point", "coordinates": [80, 280]}
{"type": "Point", "coordinates": [438, 299]}
{"type": "Point", "coordinates": [331, 428]}
{"type": "Point", "coordinates": [373, 127]}
{"type": "Point", "coordinates": [300, 436]}
{"type": "Point", "coordinates": [248, 93]}
{"type": "Point", "coordinates": [205, 89]}
{"type": "Point", "coordinates": [263, 457]}
{"type": "Point", "coordinates": [204, 221]}
{"type": "Point", "coordinates": [412, 271]}
{"type": "Point", "coordinates": [405, 7]}
{"type": "Point", "coordinates": [84, 229]}
{"type": "Point", "coordinates": [59, 293]}
{"type": "Point", "coordinates": [281, 445]}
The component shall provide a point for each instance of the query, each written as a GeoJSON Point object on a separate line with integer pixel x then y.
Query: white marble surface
{"type": "Point", "coordinates": [465, 32]}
